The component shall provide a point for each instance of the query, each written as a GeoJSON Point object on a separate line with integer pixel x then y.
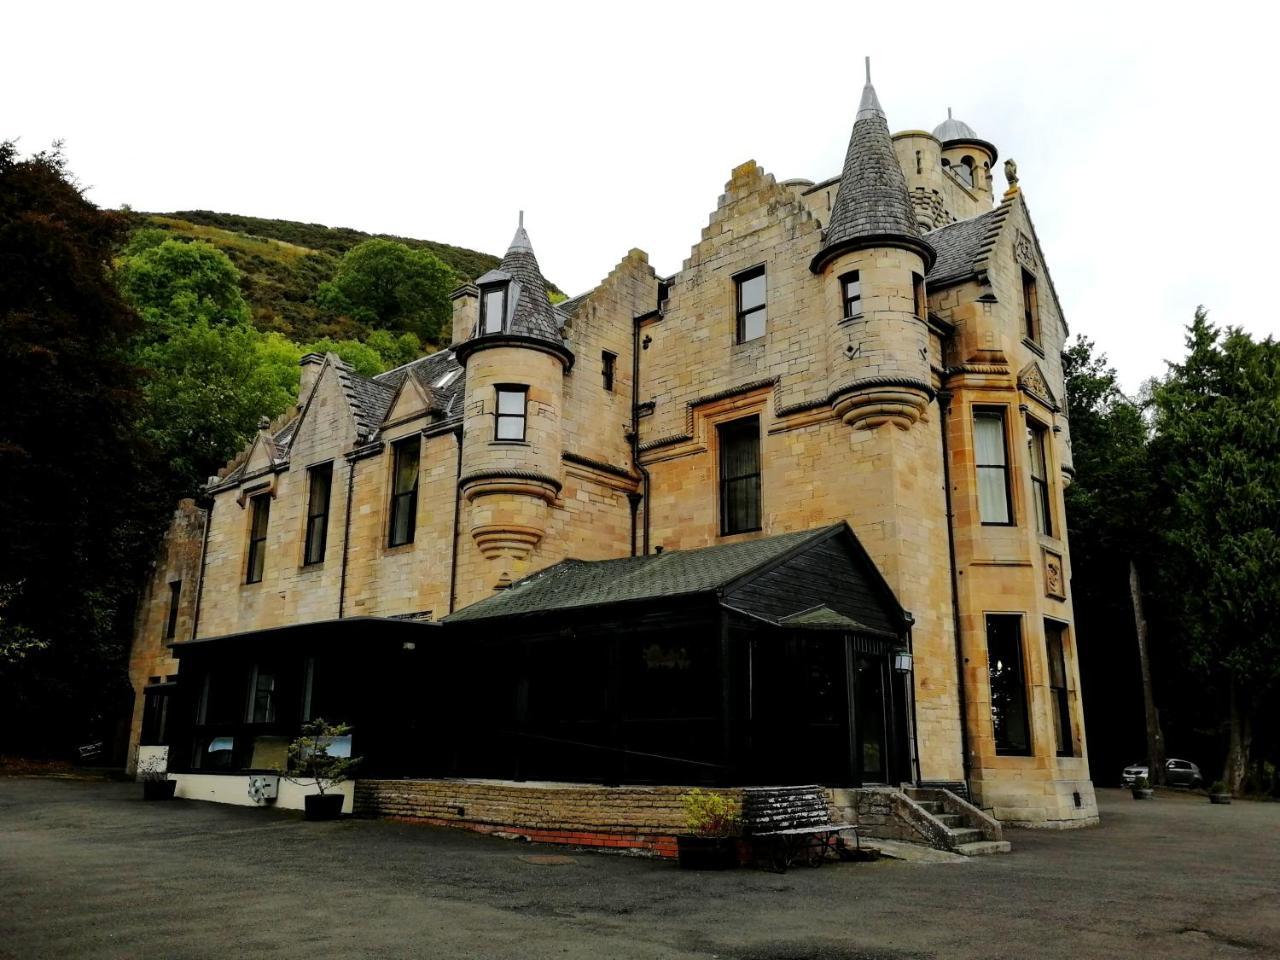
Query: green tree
{"type": "Point", "coordinates": [361, 357]}
{"type": "Point", "coordinates": [206, 387]}
{"type": "Point", "coordinates": [1218, 448]}
{"type": "Point", "coordinates": [1109, 512]}
{"type": "Point", "coordinates": [388, 285]}
{"type": "Point", "coordinates": [73, 505]}
{"type": "Point", "coordinates": [172, 284]}
{"type": "Point", "coordinates": [395, 350]}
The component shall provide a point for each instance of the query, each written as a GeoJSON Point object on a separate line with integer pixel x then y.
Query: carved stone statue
{"type": "Point", "coordinates": [1011, 171]}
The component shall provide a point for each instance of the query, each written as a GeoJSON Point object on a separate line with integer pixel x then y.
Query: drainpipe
{"type": "Point", "coordinates": [204, 555]}
{"type": "Point", "coordinates": [457, 519]}
{"type": "Point", "coordinates": [346, 539]}
{"type": "Point", "coordinates": [635, 434]}
{"type": "Point", "coordinates": [944, 403]}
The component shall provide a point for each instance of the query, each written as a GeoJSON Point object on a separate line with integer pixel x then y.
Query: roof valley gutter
{"type": "Point", "coordinates": [346, 539]}
{"type": "Point", "coordinates": [204, 555]}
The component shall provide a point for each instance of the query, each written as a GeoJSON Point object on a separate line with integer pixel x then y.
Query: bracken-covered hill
{"type": "Point", "coordinates": [282, 262]}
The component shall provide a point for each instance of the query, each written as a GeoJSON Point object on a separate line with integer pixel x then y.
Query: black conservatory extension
{"type": "Point", "coordinates": [776, 660]}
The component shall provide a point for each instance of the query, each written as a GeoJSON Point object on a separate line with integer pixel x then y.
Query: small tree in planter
{"type": "Point", "coordinates": [1219, 792]}
{"type": "Point", "coordinates": [310, 760]}
{"type": "Point", "coordinates": [1142, 789]}
{"type": "Point", "coordinates": [156, 784]}
{"type": "Point", "coordinates": [714, 823]}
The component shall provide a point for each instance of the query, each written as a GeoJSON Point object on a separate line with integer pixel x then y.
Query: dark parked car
{"type": "Point", "coordinates": [1177, 773]}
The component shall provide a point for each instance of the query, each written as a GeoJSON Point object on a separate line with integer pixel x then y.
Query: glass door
{"type": "Point", "coordinates": [870, 701]}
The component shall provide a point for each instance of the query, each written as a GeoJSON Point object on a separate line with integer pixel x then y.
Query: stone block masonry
{"type": "Point", "coordinates": [641, 820]}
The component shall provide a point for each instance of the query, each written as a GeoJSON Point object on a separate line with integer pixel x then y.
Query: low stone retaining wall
{"type": "Point", "coordinates": [637, 819]}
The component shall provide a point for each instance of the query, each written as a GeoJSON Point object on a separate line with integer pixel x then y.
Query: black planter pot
{"type": "Point", "coordinates": [323, 806]}
{"type": "Point", "coordinates": [1219, 798]}
{"type": "Point", "coordinates": [158, 789]}
{"type": "Point", "coordinates": [1143, 793]}
{"type": "Point", "coordinates": [707, 853]}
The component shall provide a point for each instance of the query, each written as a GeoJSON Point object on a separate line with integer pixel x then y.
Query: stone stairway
{"type": "Point", "coordinates": [968, 830]}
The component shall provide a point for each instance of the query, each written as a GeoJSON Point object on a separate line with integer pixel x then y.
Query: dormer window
{"type": "Point", "coordinates": [493, 308]}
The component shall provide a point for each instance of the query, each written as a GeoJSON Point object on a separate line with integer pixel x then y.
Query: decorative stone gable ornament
{"type": "Point", "coordinates": [1011, 171]}
{"type": "Point", "coordinates": [1031, 380]}
{"type": "Point", "coordinates": [1022, 249]}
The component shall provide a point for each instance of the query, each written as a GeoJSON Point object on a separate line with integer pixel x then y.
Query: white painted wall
{"type": "Point", "coordinates": [234, 789]}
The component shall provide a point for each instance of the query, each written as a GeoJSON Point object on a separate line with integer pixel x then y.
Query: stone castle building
{"type": "Point", "coordinates": [792, 513]}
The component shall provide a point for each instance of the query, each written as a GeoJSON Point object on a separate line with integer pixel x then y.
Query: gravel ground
{"type": "Point", "coordinates": [89, 870]}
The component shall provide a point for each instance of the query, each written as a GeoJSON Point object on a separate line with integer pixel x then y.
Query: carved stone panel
{"type": "Point", "coordinates": [1023, 250]}
{"type": "Point", "coordinates": [1055, 582]}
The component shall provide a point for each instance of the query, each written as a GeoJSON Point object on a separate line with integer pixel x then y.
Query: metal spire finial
{"type": "Point", "coordinates": [868, 59]}
{"type": "Point", "coordinates": [522, 212]}
{"type": "Point", "coordinates": [948, 113]}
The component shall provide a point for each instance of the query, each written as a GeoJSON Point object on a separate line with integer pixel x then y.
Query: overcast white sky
{"type": "Point", "coordinates": [1145, 134]}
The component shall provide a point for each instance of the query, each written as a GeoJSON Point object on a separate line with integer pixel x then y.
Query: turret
{"type": "Point", "coordinates": [515, 360]}
{"type": "Point", "coordinates": [967, 156]}
{"type": "Point", "coordinates": [873, 261]}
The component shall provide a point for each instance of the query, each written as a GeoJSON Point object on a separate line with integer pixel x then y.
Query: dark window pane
{"type": "Point", "coordinates": [1055, 642]}
{"type": "Point", "coordinates": [404, 498]}
{"type": "Point", "coordinates": [261, 506]}
{"type": "Point", "coordinates": [607, 363]}
{"type": "Point", "coordinates": [318, 512]}
{"type": "Point", "coordinates": [751, 312]}
{"type": "Point", "coordinates": [1008, 684]}
{"type": "Point", "coordinates": [1039, 477]}
{"type": "Point", "coordinates": [175, 593]}
{"type": "Point", "coordinates": [740, 507]}
{"type": "Point", "coordinates": [852, 287]}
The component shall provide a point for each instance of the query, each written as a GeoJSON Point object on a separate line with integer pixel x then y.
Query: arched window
{"type": "Point", "coordinates": [965, 170]}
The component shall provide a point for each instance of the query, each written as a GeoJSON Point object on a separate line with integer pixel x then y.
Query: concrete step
{"type": "Point", "coordinates": [982, 848]}
{"type": "Point", "coordinates": [931, 806]}
{"type": "Point", "coordinates": [963, 835]}
{"type": "Point", "coordinates": [950, 820]}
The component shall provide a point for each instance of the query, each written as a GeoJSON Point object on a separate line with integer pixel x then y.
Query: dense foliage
{"type": "Point", "coordinates": [386, 285]}
{"type": "Point", "coordinates": [137, 363]}
{"type": "Point", "coordinates": [1186, 486]}
{"type": "Point", "coordinates": [73, 486]}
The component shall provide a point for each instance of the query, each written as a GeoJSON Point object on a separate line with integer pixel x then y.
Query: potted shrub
{"type": "Point", "coordinates": [310, 761]}
{"type": "Point", "coordinates": [1219, 792]}
{"type": "Point", "coordinates": [714, 823]}
{"type": "Point", "coordinates": [1142, 789]}
{"type": "Point", "coordinates": [156, 784]}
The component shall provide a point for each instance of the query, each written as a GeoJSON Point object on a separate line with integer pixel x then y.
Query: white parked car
{"type": "Point", "coordinates": [1177, 773]}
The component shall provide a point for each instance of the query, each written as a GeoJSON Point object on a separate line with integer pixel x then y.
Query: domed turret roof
{"type": "Point", "coordinates": [956, 131]}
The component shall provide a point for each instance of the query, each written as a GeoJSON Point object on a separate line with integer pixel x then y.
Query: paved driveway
{"type": "Point", "coordinates": [88, 870]}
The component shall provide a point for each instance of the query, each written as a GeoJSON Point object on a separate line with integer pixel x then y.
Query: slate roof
{"type": "Point", "coordinates": [573, 584]}
{"type": "Point", "coordinates": [446, 398]}
{"type": "Point", "coordinates": [872, 203]}
{"type": "Point", "coordinates": [963, 244]}
{"type": "Point", "coordinates": [369, 399]}
{"type": "Point", "coordinates": [533, 315]}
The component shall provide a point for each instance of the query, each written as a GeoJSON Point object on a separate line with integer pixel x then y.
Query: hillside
{"type": "Point", "coordinates": [282, 262]}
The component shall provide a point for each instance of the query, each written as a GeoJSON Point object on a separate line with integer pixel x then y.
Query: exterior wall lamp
{"type": "Point", "coordinates": [902, 661]}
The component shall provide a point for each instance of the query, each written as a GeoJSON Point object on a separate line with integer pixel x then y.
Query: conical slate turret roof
{"type": "Point", "coordinates": [872, 208]}
{"type": "Point", "coordinates": [531, 313]}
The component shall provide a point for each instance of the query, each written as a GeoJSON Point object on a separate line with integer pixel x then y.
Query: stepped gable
{"type": "Point", "coordinates": [872, 207]}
